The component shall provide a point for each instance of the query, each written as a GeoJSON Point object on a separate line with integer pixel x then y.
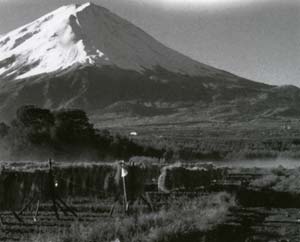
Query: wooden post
{"type": "Point", "coordinates": [1, 221]}
{"type": "Point", "coordinates": [146, 199]}
{"type": "Point", "coordinates": [124, 190]}
{"type": "Point", "coordinates": [36, 211]}
{"type": "Point", "coordinates": [67, 207]}
{"type": "Point", "coordinates": [56, 200]}
{"type": "Point", "coordinates": [17, 216]}
{"type": "Point", "coordinates": [26, 206]}
{"type": "Point", "coordinates": [52, 189]}
{"type": "Point", "coordinates": [125, 195]}
{"type": "Point", "coordinates": [62, 209]}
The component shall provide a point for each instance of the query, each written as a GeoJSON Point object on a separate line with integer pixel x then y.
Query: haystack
{"type": "Point", "coordinates": [180, 177]}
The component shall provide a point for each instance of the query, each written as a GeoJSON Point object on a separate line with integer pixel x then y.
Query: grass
{"type": "Point", "coordinates": [181, 221]}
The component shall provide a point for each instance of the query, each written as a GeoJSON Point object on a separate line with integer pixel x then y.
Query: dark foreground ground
{"type": "Point", "coordinates": [239, 224]}
{"type": "Point", "coordinates": [251, 204]}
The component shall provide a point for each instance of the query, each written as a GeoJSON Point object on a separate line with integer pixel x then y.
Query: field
{"type": "Point", "coordinates": [13, 230]}
{"type": "Point", "coordinates": [244, 204]}
{"type": "Point", "coordinates": [190, 137]}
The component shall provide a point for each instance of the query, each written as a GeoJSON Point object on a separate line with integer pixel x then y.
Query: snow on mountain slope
{"type": "Point", "coordinates": [47, 44]}
{"type": "Point", "coordinates": [87, 34]}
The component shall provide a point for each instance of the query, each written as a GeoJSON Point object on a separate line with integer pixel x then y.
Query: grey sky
{"type": "Point", "coordinates": [257, 39]}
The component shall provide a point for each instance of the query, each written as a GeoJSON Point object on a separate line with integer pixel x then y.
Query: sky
{"type": "Point", "coordinates": [256, 39]}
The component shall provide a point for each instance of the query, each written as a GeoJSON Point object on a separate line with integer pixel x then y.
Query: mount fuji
{"type": "Point", "coordinates": [91, 35]}
{"type": "Point", "coordinates": [85, 56]}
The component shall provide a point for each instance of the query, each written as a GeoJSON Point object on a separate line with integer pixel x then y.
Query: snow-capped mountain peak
{"type": "Point", "coordinates": [86, 34]}
{"type": "Point", "coordinates": [50, 43]}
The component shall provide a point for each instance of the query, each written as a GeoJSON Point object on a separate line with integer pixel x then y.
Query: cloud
{"type": "Point", "coordinates": [9, 1]}
{"type": "Point", "coordinates": [200, 3]}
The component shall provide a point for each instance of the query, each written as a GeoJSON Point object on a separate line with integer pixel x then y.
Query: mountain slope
{"type": "Point", "coordinates": [84, 56]}
{"type": "Point", "coordinates": [87, 34]}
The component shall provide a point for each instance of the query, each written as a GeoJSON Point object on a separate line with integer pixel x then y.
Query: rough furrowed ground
{"type": "Point", "coordinates": [262, 224]}
{"type": "Point", "coordinates": [267, 206]}
{"type": "Point", "coordinates": [242, 223]}
{"type": "Point", "coordinates": [87, 211]}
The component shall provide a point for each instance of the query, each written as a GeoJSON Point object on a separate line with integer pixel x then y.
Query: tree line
{"type": "Point", "coordinates": [37, 133]}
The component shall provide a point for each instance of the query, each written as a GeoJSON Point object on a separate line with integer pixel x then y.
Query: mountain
{"type": "Point", "coordinates": [84, 56]}
{"type": "Point", "coordinates": [87, 34]}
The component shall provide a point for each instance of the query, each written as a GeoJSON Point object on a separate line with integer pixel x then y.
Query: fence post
{"type": "Point", "coordinates": [52, 189]}
{"type": "Point", "coordinates": [124, 187]}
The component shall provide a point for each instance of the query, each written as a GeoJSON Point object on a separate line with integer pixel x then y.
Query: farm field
{"type": "Point", "coordinates": [247, 204]}
{"type": "Point", "coordinates": [13, 230]}
{"type": "Point", "coordinates": [204, 139]}
{"type": "Point", "coordinates": [241, 224]}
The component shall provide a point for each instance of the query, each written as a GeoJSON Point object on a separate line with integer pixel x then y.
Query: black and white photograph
{"type": "Point", "coordinates": [150, 121]}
